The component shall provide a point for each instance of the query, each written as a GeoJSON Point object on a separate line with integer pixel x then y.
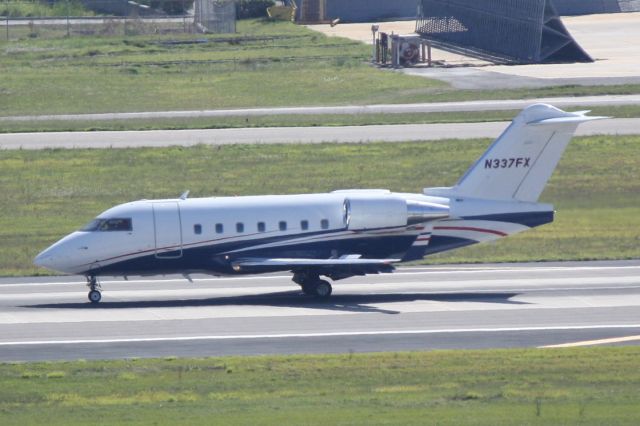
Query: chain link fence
{"type": "Point", "coordinates": [24, 19]}
{"type": "Point", "coordinates": [215, 16]}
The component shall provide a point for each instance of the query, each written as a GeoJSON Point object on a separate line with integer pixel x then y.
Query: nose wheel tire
{"type": "Point", "coordinates": [95, 296]}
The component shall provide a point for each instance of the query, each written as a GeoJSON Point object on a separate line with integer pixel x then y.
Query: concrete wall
{"type": "Point", "coordinates": [369, 10]}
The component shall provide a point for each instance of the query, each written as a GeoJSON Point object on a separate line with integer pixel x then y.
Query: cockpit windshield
{"type": "Point", "coordinates": [111, 224]}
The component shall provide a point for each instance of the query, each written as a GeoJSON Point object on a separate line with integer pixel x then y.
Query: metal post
{"type": "Point", "coordinates": [68, 24]}
{"type": "Point", "coordinates": [374, 29]}
{"type": "Point", "coordinates": [184, 18]}
{"type": "Point", "coordinates": [428, 54]}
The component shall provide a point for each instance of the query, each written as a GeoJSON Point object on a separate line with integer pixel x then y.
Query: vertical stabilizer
{"type": "Point", "coordinates": [519, 163]}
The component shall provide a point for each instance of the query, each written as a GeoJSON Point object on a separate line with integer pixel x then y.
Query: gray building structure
{"type": "Point", "coordinates": [381, 10]}
{"type": "Point", "coordinates": [501, 31]}
{"type": "Point", "coordinates": [359, 10]}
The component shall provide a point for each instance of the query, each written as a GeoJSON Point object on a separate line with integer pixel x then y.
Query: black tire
{"type": "Point", "coordinates": [95, 296]}
{"type": "Point", "coordinates": [322, 289]}
{"type": "Point", "coordinates": [309, 288]}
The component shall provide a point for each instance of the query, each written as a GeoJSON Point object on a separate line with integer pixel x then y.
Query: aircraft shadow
{"type": "Point", "coordinates": [294, 299]}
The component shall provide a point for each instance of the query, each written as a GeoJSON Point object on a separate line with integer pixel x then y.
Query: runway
{"type": "Point", "coordinates": [274, 135]}
{"type": "Point", "coordinates": [416, 308]}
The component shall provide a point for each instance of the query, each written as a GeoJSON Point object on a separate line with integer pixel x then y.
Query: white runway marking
{"type": "Point", "coordinates": [404, 271]}
{"type": "Point", "coordinates": [312, 335]}
{"type": "Point", "coordinates": [496, 305]}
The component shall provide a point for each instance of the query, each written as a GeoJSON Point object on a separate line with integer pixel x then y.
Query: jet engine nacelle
{"type": "Point", "coordinates": [376, 212]}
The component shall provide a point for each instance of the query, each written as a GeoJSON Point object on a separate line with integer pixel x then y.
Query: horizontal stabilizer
{"type": "Point", "coordinates": [577, 117]}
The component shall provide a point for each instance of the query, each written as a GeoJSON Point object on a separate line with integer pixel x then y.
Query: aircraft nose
{"type": "Point", "coordinates": [45, 259]}
{"type": "Point", "coordinates": [55, 258]}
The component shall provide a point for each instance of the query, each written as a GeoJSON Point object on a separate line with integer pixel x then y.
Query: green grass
{"type": "Point", "coordinates": [265, 64]}
{"type": "Point", "coordinates": [631, 111]}
{"type": "Point", "coordinates": [37, 8]}
{"type": "Point", "coordinates": [586, 386]}
{"type": "Point", "coordinates": [47, 194]}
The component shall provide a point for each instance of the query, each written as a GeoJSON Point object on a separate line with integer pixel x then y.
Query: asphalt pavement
{"type": "Point", "coordinates": [288, 135]}
{"type": "Point", "coordinates": [416, 308]}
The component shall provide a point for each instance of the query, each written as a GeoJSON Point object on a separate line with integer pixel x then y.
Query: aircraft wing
{"type": "Point", "coordinates": [350, 264]}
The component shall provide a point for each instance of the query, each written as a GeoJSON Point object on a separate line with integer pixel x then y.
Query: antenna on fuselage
{"type": "Point", "coordinates": [184, 195]}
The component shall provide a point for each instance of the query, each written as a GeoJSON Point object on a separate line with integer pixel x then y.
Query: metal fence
{"type": "Point", "coordinates": [516, 31]}
{"type": "Point", "coordinates": [215, 16]}
{"type": "Point", "coordinates": [23, 19]}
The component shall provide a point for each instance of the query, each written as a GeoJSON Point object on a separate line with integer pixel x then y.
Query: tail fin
{"type": "Point", "coordinates": [519, 163]}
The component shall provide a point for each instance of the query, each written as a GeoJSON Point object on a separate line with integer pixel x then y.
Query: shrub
{"type": "Point", "coordinates": [246, 9]}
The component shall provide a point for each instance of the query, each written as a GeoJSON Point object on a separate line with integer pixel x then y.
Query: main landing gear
{"type": "Point", "coordinates": [312, 285]}
{"type": "Point", "coordinates": [94, 289]}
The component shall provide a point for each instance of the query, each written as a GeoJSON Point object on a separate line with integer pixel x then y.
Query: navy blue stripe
{"type": "Point", "coordinates": [212, 258]}
{"type": "Point", "coordinates": [530, 219]}
{"type": "Point", "coordinates": [437, 244]}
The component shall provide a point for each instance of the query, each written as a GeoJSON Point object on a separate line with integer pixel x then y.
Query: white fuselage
{"type": "Point", "coordinates": [209, 234]}
{"type": "Point", "coordinates": [336, 235]}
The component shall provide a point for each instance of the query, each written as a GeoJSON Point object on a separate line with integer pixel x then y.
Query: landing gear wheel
{"type": "Point", "coordinates": [322, 289]}
{"type": "Point", "coordinates": [95, 296]}
{"type": "Point", "coordinates": [309, 289]}
{"type": "Point", "coordinates": [312, 285]}
{"type": "Point", "coordinates": [94, 292]}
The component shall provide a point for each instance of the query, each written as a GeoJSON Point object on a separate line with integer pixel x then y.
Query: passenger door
{"type": "Point", "coordinates": [168, 229]}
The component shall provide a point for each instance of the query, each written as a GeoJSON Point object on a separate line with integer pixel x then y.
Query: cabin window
{"type": "Point", "coordinates": [219, 228]}
{"type": "Point", "coordinates": [304, 225]}
{"type": "Point", "coordinates": [282, 225]}
{"type": "Point", "coordinates": [261, 227]}
{"type": "Point", "coordinates": [324, 224]}
{"type": "Point", "coordinates": [113, 224]}
{"type": "Point", "coordinates": [197, 228]}
{"type": "Point", "coordinates": [239, 227]}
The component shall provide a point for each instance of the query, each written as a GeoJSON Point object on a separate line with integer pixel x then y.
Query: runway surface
{"type": "Point", "coordinates": [416, 308]}
{"type": "Point", "coordinates": [462, 106]}
{"type": "Point", "coordinates": [273, 135]}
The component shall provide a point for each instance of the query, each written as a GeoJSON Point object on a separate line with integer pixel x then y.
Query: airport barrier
{"type": "Point", "coordinates": [501, 31]}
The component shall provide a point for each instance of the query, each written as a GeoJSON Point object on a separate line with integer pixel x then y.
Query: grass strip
{"type": "Point", "coordinates": [630, 111]}
{"type": "Point", "coordinates": [586, 386]}
{"type": "Point", "coordinates": [49, 193]}
{"type": "Point", "coordinates": [265, 64]}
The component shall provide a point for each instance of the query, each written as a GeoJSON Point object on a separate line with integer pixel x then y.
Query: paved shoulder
{"type": "Point", "coordinates": [272, 135]}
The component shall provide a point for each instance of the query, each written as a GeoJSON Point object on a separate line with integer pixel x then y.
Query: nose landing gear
{"type": "Point", "coordinates": [94, 289]}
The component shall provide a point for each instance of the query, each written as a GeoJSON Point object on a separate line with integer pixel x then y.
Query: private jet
{"type": "Point", "coordinates": [331, 235]}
